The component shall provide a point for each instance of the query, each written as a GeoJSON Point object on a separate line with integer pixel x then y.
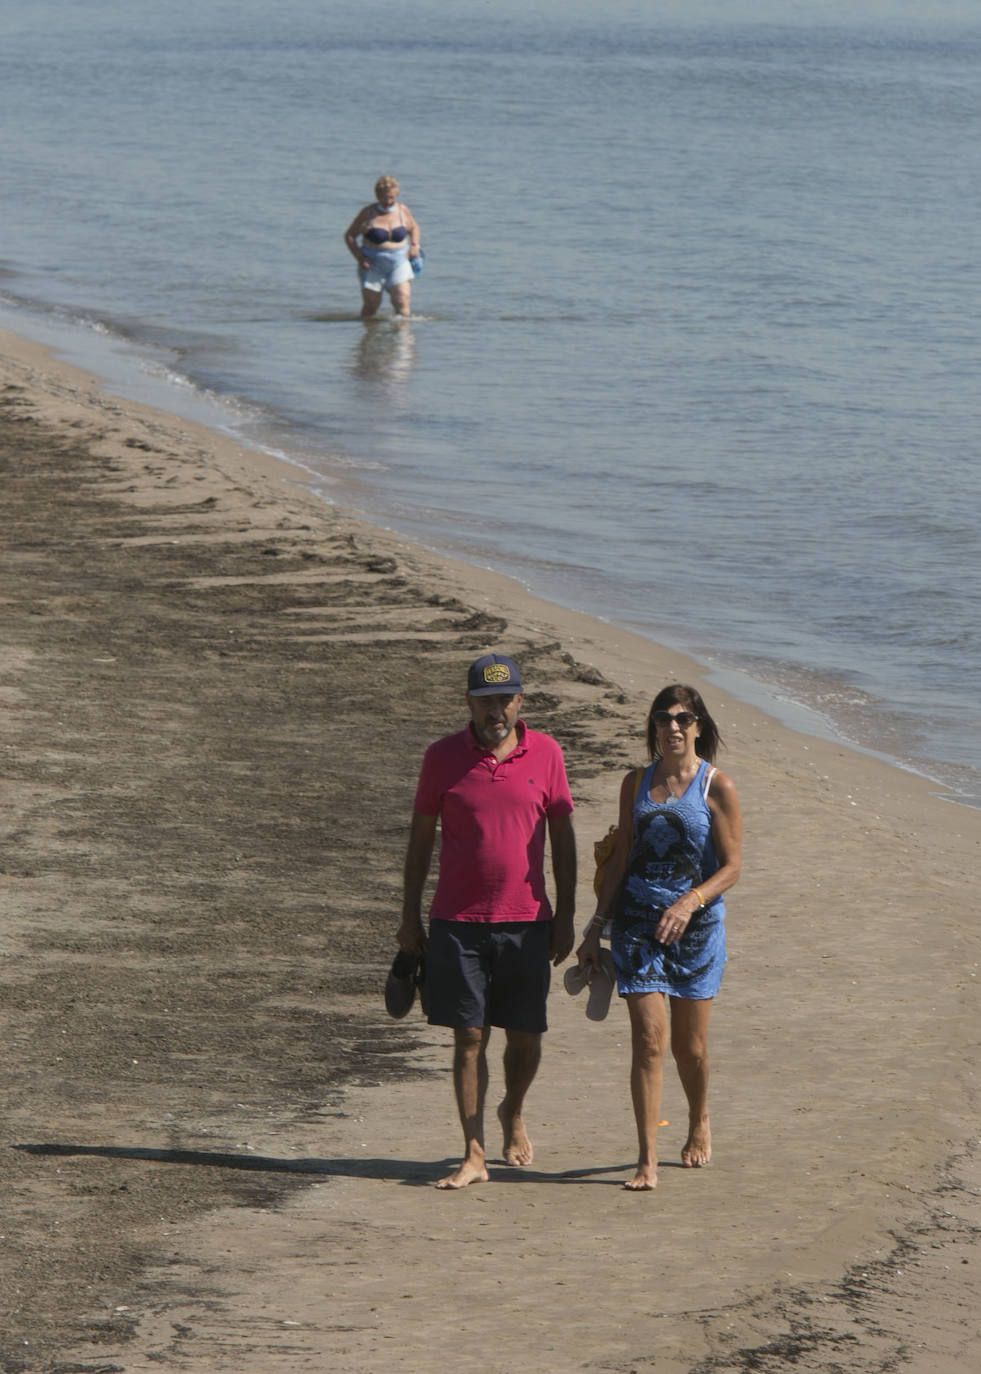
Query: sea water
{"type": "Point", "coordinates": [696, 346]}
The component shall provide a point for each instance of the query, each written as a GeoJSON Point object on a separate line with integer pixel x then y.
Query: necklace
{"type": "Point", "coordinates": [683, 782]}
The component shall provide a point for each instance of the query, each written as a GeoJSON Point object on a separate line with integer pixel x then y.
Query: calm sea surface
{"type": "Point", "coordinates": [696, 345]}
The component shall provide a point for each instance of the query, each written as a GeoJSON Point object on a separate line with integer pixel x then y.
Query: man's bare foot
{"type": "Point", "coordinates": [644, 1180]}
{"type": "Point", "coordinates": [468, 1172]}
{"type": "Point", "coordinates": [517, 1147]}
{"type": "Point", "coordinates": [698, 1147]}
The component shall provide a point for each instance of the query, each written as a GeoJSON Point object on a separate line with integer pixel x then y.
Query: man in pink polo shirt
{"type": "Point", "coordinates": [494, 789]}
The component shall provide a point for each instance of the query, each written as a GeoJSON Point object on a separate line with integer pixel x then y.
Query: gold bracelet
{"type": "Point", "coordinates": [701, 899]}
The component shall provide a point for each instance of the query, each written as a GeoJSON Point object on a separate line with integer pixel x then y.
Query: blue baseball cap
{"type": "Point", "coordinates": [494, 676]}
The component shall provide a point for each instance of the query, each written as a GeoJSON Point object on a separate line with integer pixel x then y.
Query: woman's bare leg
{"type": "Point", "coordinates": [649, 1040]}
{"type": "Point", "coordinates": [370, 301]}
{"type": "Point", "coordinates": [689, 1045]}
{"type": "Point", "coordinates": [401, 298]}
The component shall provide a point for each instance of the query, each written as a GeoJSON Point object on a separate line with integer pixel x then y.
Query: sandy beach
{"type": "Point", "coordinates": [217, 1151]}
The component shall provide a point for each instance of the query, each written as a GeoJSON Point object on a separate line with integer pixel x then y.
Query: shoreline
{"type": "Point", "coordinates": [226, 417]}
{"type": "Point", "coordinates": [795, 716]}
{"type": "Point", "coordinates": [199, 664]}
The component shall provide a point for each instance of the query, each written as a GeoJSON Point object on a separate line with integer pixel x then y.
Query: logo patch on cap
{"type": "Point", "coordinates": [497, 672]}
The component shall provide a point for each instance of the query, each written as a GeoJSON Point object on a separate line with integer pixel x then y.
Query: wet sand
{"type": "Point", "coordinates": [217, 1151]}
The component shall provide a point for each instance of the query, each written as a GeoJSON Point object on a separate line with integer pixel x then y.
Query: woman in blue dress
{"type": "Point", "coordinates": [677, 851]}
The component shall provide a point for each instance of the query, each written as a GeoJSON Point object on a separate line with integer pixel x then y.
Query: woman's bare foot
{"type": "Point", "coordinates": [644, 1180]}
{"type": "Point", "coordinates": [470, 1171]}
{"type": "Point", "coordinates": [517, 1147]}
{"type": "Point", "coordinates": [698, 1147]}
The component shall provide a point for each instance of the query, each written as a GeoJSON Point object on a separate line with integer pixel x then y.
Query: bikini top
{"type": "Point", "coordinates": [380, 235]}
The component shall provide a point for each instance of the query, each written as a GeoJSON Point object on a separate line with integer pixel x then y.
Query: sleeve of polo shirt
{"type": "Point", "coordinates": [560, 797]}
{"type": "Point", "coordinates": [428, 800]}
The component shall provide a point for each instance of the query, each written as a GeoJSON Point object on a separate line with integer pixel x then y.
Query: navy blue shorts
{"type": "Point", "coordinates": [489, 973]}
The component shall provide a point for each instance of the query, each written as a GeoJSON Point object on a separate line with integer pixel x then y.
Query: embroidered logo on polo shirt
{"type": "Point", "coordinates": [497, 672]}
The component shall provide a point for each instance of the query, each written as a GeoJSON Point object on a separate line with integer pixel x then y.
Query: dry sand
{"type": "Point", "coordinates": [216, 1151]}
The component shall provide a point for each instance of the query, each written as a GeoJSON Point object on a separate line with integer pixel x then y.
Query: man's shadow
{"type": "Point", "coordinates": [406, 1172]}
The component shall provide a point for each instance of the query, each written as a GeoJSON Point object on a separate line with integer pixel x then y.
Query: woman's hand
{"type": "Point", "coordinates": [589, 950]}
{"type": "Point", "coordinates": [674, 920]}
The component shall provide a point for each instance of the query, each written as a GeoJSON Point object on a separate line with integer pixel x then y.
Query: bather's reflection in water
{"type": "Point", "coordinates": [384, 355]}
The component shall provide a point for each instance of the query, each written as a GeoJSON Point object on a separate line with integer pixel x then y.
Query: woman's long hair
{"type": "Point", "coordinates": [709, 739]}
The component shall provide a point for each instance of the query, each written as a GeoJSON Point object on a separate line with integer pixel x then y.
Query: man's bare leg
{"type": "Point", "coordinates": [522, 1055]}
{"type": "Point", "coordinates": [649, 1040]}
{"type": "Point", "coordinates": [470, 1086]}
{"type": "Point", "coordinates": [689, 1044]}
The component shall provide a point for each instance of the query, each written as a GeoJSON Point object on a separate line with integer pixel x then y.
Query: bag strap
{"type": "Point", "coordinates": [708, 782]}
{"type": "Point", "coordinates": [638, 779]}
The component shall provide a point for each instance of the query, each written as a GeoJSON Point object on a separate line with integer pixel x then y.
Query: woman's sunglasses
{"type": "Point", "coordinates": [683, 719]}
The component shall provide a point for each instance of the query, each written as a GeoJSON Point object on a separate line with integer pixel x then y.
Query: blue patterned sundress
{"type": "Point", "coordinates": [672, 853]}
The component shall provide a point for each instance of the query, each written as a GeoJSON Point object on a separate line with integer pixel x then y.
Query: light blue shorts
{"type": "Point", "coordinates": [387, 268]}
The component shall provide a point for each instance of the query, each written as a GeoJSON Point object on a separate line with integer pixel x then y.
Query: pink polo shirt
{"type": "Point", "coordinates": [493, 818]}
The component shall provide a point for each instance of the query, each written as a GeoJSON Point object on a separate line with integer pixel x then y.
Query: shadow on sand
{"type": "Point", "coordinates": [410, 1172]}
